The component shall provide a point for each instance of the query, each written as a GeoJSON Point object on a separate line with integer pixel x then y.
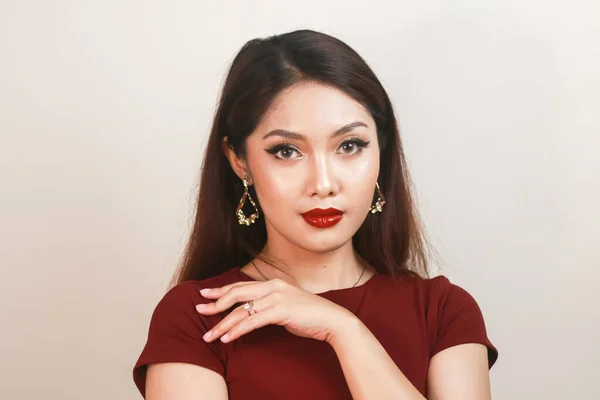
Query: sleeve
{"type": "Point", "coordinates": [458, 319]}
{"type": "Point", "coordinates": [175, 335]}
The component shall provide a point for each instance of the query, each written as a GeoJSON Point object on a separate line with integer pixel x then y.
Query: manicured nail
{"type": "Point", "coordinates": [225, 337]}
{"type": "Point", "coordinates": [207, 335]}
{"type": "Point", "coordinates": [205, 291]}
{"type": "Point", "coordinates": [201, 307]}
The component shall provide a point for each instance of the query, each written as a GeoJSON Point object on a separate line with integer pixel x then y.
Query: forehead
{"type": "Point", "coordinates": [313, 109]}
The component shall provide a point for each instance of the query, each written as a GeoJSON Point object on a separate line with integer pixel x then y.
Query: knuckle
{"type": "Point", "coordinates": [221, 302]}
{"type": "Point", "coordinates": [277, 296]}
{"type": "Point", "coordinates": [279, 283]}
{"type": "Point", "coordinates": [229, 296]}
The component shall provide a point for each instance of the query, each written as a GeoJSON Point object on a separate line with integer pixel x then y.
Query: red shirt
{"type": "Point", "coordinates": [412, 318]}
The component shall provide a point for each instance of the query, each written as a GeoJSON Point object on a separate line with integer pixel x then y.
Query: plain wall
{"type": "Point", "coordinates": [105, 108]}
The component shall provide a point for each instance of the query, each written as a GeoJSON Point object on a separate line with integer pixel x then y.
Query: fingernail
{"type": "Point", "coordinates": [204, 291]}
{"type": "Point", "coordinates": [201, 307]}
{"type": "Point", "coordinates": [207, 335]}
{"type": "Point", "coordinates": [225, 338]}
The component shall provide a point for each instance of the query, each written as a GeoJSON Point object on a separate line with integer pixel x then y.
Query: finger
{"type": "Point", "coordinates": [235, 317]}
{"type": "Point", "coordinates": [239, 294]}
{"type": "Point", "coordinates": [265, 317]}
{"type": "Point", "coordinates": [212, 293]}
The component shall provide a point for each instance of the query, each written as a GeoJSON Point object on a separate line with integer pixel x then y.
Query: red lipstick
{"type": "Point", "coordinates": [323, 218]}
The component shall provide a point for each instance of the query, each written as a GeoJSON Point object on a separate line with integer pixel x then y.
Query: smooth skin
{"type": "Point", "coordinates": [317, 165]}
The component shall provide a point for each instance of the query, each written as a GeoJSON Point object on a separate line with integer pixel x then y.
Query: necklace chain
{"type": "Point", "coordinates": [359, 278]}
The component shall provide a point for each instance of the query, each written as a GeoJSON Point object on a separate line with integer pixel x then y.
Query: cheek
{"type": "Point", "coordinates": [277, 188]}
{"type": "Point", "coordinates": [362, 171]}
{"type": "Point", "coordinates": [359, 183]}
{"type": "Point", "coordinates": [367, 167]}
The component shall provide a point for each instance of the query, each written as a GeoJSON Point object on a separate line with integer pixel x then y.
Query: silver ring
{"type": "Point", "coordinates": [249, 307]}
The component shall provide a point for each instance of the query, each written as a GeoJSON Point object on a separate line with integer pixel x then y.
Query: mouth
{"type": "Point", "coordinates": [323, 218]}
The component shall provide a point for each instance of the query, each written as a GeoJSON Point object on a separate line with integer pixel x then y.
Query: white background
{"type": "Point", "coordinates": [105, 107]}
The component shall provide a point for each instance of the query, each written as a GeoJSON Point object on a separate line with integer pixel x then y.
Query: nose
{"type": "Point", "coordinates": [322, 181]}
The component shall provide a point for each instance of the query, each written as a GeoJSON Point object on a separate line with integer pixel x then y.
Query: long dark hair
{"type": "Point", "coordinates": [392, 242]}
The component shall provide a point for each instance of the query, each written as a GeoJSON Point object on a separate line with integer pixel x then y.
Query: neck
{"type": "Point", "coordinates": [312, 271]}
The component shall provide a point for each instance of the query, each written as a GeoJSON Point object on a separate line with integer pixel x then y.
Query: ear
{"type": "Point", "coordinates": [238, 165]}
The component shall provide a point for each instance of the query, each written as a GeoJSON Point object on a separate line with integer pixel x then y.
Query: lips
{"type": "Point", "coordinates": [322, 218]}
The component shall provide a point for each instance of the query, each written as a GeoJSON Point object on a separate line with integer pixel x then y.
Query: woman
{"type": "Point", "coordinates": [306, 276]}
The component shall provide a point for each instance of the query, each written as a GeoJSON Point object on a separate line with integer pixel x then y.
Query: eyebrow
{"type": "Point", "coordinates": [297, 136]}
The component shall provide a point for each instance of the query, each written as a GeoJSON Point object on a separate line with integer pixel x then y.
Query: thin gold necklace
{"type": "Point", "coordinates": [359, 278]}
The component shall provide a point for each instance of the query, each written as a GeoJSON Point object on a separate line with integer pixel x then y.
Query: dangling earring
{"type": "Point", "coordinates": [242, 219]}
{"type": "Point", "coordinates": [378, 207]}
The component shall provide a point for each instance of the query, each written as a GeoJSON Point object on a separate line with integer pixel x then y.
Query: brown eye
{"type": "Point", "coordinates": [353, 146]}
{"type": "Point", "coordinates": [348, 147]}
{"type": "Point", "coordinates": [283, 151]}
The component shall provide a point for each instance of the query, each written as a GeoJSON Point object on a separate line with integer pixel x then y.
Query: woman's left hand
{"type": "Point", "coordinates": [275, 302]}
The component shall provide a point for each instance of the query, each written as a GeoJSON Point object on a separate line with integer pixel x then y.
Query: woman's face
{"type": "Point", "coordinates": [301, 158]}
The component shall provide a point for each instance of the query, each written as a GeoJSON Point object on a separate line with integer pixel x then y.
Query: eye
{"type": "Point", "coordinates": [283, 151]}
{"type": "Point", "coordinates": [353, 146]}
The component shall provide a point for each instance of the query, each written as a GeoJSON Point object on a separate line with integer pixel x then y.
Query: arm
{"type": "Point", "coordinates": [369, 370]}
{"type": "Point", "coordinates": [180, 381]}
{"type": "Point", "coordinates": [459, 372]}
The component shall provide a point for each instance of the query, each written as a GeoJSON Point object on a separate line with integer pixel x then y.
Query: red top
{"type": "Point", "coordinates": [412, 318]}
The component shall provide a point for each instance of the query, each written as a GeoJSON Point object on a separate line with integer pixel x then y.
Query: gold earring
{"type": "Point", "coordinates": [378, 207]}
{"type": "Point", "coordinates": [242, 219]}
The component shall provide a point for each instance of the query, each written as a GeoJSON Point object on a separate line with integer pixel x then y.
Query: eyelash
{"type": "Point", "coordinates": [359, 143]}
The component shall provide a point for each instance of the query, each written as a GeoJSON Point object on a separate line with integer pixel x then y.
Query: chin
{"type": "Point", "coordinates": [322, 243]}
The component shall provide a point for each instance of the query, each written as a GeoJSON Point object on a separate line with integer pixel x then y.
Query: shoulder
{"type": "Point", "coordinates": [178, 305]}
{"type": "Point", "coordinates": [437, 297]}
{"type": "Point", "coordinates": [454, 317]}
{"type": "Point", "coordinates": [440, 289]}
{"type": "Point", "coordinates": [190, 290]}
{"type": "Point", "coordinates": [426, 290]}
{"type": "Point", "coordinates": [434, 289]}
